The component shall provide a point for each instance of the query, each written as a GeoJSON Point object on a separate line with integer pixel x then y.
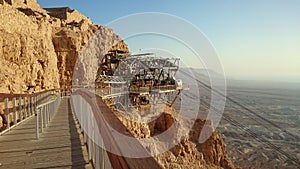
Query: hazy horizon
{"type": "Point", "coordinates": [270, 79]}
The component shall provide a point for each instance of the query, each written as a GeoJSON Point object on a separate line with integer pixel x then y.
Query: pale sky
{"type": "Point", "coordinates": [255, 39]}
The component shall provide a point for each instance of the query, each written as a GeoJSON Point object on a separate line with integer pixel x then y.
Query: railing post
{"type": "Point", "coordinates": [7, 112]}
{"type": "Point", "coordinates": [20, 109]}
{"type": "Point", "coordinates": [56, 104]}
{"type": "Point", "coordinates": [52, 109]}
{"type": "Point", "coordinates": [38, 99]}
{"type": "Point", "coordinates": [47, 114]}
{"type": "Point", "coordinates": [103, 157]}
{"type": "Point", "coordinates": [24, 107]}
{"type": "Point", "coordinates": [85, 121]}
{"type": "Point", "coordinates": [31, 106]}
{"type": "Point", "coordinates": [89, 127]}
{"type": "Point", "coordinates": [42, 120]}
{"type": "Point", "coordinates": [37, 123]}
{"type": "Point", "coordinates": [35, 102]}
{"type": "Point", "coordinates": [81, 113]}
{"type": "Point", "coordinates": [14, 110]}
{"type": "Point", "coordinates": [93, 135]}
{"type": "Point", "coordinates": [97, 157]}
{"type": "Point", "coordinates": [28, 106]}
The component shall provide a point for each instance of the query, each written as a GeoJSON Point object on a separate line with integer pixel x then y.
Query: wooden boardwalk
{"type": "Point", "coordinates": [60, 145]}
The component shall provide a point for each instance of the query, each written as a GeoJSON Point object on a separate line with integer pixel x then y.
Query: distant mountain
{"type": "Point", "coordinates": [204, 75]}
{"type": "Point", "coordinates": [262, 84]}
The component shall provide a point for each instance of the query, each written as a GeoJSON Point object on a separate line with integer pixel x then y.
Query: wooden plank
{"type": "Point", "coordinates": [59, 146]}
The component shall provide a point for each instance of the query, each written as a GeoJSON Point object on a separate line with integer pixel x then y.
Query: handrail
{"type": "Point", "coordinates": [44, 104]}
{"type": "Point", "coordinates": [93, 120]}
{"type": "Point", "coordinates": [97, 155]}
{"type": "Point", "coordinates": [20, 107]}
{"type": "Point", "coordinates": [12, 95]}
{"type": "Point", "coordinates": [44, 113]}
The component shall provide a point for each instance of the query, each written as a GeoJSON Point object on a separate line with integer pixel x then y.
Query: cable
{"type": "Point", "coordinates": [242, 106]}
{"type": "Point", "coordinates": [243, 127]}
{"type": "Point", "coordinates": [251, 133]}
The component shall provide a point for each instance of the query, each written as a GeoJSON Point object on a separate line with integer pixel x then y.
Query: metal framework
{"type": "Point", "coordinates": [139, 77]}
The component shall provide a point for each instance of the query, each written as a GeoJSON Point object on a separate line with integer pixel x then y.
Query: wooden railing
{"type": "Point", "coordinates": [20, 107]}
{"type": "Point", "coordinates": [104, 151]}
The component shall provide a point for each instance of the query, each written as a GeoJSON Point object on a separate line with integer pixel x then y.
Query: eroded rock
{"type": "Point", "coordinates": [40, 51]}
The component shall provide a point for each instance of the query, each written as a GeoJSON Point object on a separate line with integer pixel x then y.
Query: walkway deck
{"type": "Point", "coordinates": [60, 145]}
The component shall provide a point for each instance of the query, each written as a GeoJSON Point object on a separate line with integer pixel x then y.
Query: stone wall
{"type": "Point", "coordinates": [60, 13]}
{"type": "Point", "coordinates": [77, 17]}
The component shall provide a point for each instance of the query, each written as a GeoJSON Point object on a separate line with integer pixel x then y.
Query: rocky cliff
{"type": "Point", "coordinates": [27, 54]}
{"type": "Point", "coordinates": [189, 153]}
{"type": "Point", "coordinates": [38, 51]}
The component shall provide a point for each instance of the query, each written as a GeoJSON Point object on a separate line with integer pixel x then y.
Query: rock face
{"type": "Point", "coordinates": [213, 149]}
{"type": "Point", "coordinates": [39, 51]}
{"type": "Point", "coordinates": [26, 51]}
{"type": "Point", "coordinates": [189, 153]}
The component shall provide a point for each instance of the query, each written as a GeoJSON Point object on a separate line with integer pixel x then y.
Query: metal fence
{"type": "Point", "coordinates": [92, 138]}
{"type": "Point", "coordinates": [43, 107]}
{"type": "Point", "coordinates": [44, 113]}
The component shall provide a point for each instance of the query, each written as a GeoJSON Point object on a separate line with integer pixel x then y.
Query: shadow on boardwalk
{"type": "Point", "coordinates": [60, 145]}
